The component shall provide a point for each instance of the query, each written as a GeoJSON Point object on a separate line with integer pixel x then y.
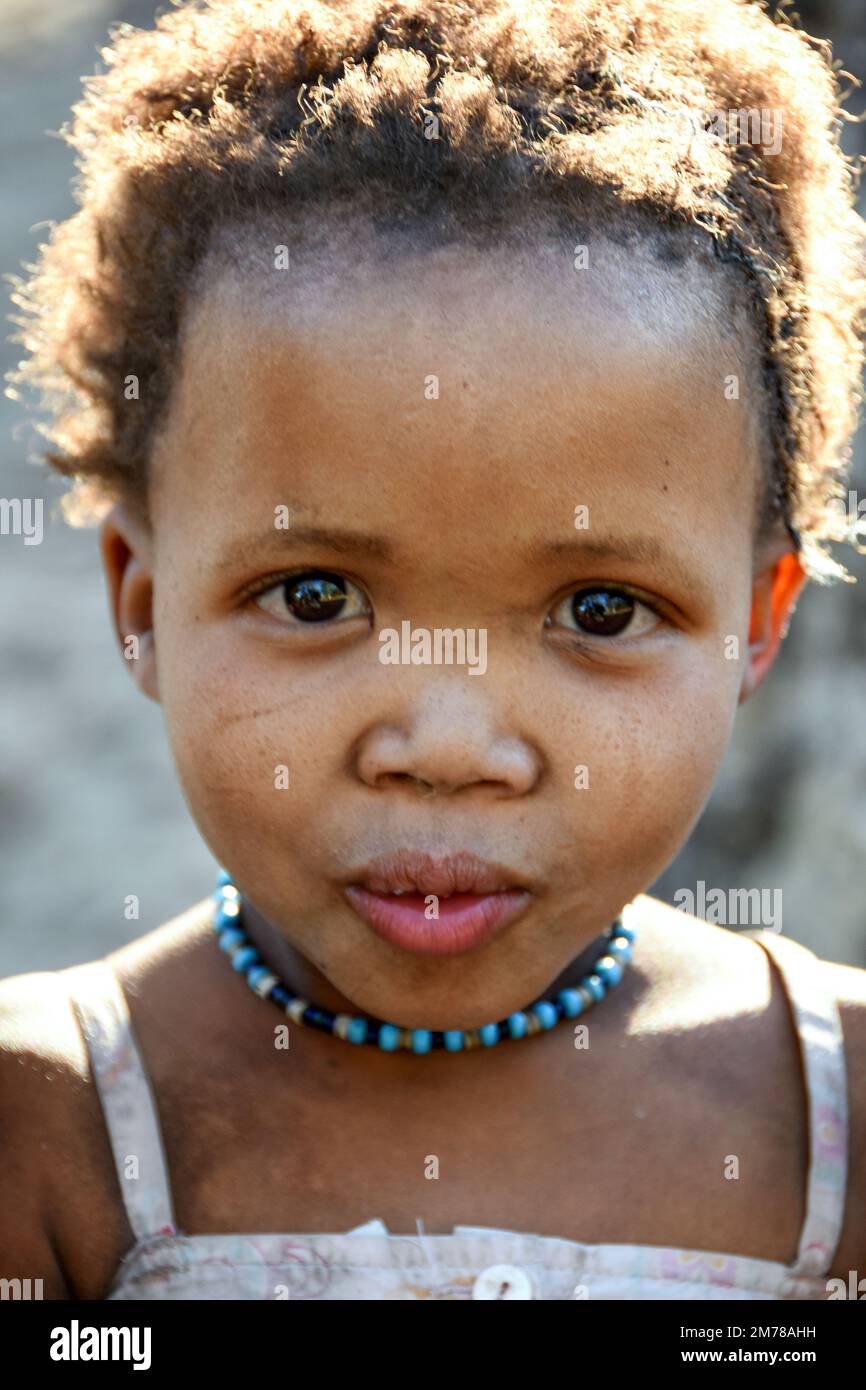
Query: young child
{"type": "Point", "coordinates": [464, 394]}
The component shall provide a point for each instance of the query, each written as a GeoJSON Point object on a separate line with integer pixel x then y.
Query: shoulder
{"type": "Point", "coordinates": [177, 946]}
{"type": "Point", "coordinates": [691, 961]}
{"type": "Point", "coordinates": [849, 986]}
{"type": "Point", "coordinates": [42, 1075]}
{"type": "Point", "coordinates": [62, 1217]}
{"type": "Point", "coordinates": [698, 960]}
{"type": "Point", "coordinates": [43, 1061]}
{"type": "Point", "coordinates": [848, 983]}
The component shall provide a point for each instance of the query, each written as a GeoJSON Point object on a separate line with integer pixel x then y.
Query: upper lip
{"type": "Point", "coordinates": [419, 871]}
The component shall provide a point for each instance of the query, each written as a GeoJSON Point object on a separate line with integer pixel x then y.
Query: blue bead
{"type": "Point", "coordinates": [545, 1013]}
{"type": "Point", "coordinates": [594, 985]}
{"type": "Point", "coordinates": [356, 1032]}
{"type": "Point", "coordinates": [517, 1025]}
{"type": "Point", "coordinates": [627, 932]}
{"type": "Point", "coordinates": [257, 973]}
{"type": "Point", "coordinates": [231, 937]}
{"type": "Point", "coordinates": [223, 879]}
{"type": "Point", "coordinates": [489, 1034]}
{"type": "Point", "coordinates": [389, 1037]}
{"type": "Point", "coordinates": [620, 949]}
{"type": "Point", "coordinates": [422, 1039]}
{"type": "Point", "coordinates": [571, 1001]}
{"type": "Point", "coordinates": [453, 1039]}
{"type": "Point", "coordinates": [610, 972]}
{"type": "Point", "coordinates": [247, 955]}
{"type": "Point", "coordinates": [221, 920]}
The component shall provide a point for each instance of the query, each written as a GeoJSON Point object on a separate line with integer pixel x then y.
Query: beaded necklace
{"type": "Point", "coordinates": [536, 1018]}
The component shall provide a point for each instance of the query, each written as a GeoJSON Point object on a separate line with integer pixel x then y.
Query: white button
{"type": "Point", "coordinates": [503, 1281]}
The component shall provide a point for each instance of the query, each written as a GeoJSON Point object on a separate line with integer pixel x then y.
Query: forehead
{"type": "Point", "coordinates": [346, 348]}
{"type": "Point", "coordinates": [354, 275]}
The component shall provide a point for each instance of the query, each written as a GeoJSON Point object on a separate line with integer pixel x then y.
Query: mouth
{"type": "Point", "coordinates": [462, 921]}
{"type": "Point", "coordinates": [431, 906]}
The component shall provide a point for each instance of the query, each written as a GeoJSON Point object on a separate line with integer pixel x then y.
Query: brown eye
{"type": "Point", "coordinates": [605, 613]}
{"type": "Point", "coordinates": [315, 596]}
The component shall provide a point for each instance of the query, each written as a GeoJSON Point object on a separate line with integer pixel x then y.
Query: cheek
{"type": "Point", "coordinates": [651, 755]}
{"type": "Point", "coordinates": [252, 746]}
{"type": "Point", "coordinates": [236, 719]}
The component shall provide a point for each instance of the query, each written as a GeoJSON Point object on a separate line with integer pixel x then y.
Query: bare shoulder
{"type": "Point", "coordinates": [42, 1075]}
{"type": "Point", "coordinates": [849, 985]}
{"type": "Point", "coordinates": [694, 962]}
{"type": "Point", "coordinates": [62, 1218]}
{"type": "Point", "coordinates": [706, 958]}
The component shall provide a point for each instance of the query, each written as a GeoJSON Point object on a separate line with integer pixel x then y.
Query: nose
{"type": "Point", "coordinates": [450, 742]}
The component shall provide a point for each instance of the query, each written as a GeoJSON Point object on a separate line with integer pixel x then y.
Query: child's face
{"type": "Point", "coordinates": [450, 412]}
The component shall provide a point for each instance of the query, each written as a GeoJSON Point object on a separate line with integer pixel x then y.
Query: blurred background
{"type": "Point", "coordinates": [90, 809]}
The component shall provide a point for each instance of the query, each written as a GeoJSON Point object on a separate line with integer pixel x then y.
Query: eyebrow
{"type": "Point", "coordinates": [333, 538]}
{"type": "Point", "coordinates": [635, 547]}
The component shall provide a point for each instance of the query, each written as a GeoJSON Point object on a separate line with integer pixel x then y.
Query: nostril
{"type": "Point", "coordinates": [419, 782]}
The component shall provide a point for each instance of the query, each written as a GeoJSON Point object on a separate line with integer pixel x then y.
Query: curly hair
{"type": "Point", "coordinates": [467, 109]}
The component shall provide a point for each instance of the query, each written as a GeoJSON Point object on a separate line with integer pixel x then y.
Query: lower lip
{"type": "Point", "coordinates": [465, 920]}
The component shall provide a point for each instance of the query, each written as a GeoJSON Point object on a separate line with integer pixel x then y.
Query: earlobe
{"type": "Point", "coordinates": [774, 598]}
{"type": "Point", "coordinates": [126, 552]}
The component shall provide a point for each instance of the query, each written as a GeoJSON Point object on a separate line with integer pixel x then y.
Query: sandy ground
{"type": "Point", "coordinates": [90, 808]}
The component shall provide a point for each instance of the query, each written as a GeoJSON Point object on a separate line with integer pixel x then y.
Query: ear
{"type": "Point", "coordinates": [774, 597]}
{"type": "Point", "coordinates": [126, 547]}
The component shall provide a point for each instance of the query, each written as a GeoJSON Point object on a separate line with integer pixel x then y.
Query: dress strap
{"type": "Point", "coordinates": [819, 1030]}
{"type": "Point", "coordinates": [127, 1100]}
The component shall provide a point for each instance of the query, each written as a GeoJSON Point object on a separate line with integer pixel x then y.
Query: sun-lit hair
{"type": "Point", "coordinates": [707, 118]}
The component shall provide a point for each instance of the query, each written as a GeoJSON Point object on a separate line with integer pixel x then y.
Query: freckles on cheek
{"type": "Point", "coordinates": [225, 736]}
{"type": "Point", "coordinates": [653, 768]}
{"type": "Point", "coordinates": [682, 770]}
{"type": "Point", "coordinates": [252, 752]}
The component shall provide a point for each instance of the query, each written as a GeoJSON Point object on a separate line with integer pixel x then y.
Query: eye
{"type": "Point", "coordinates": [606, 613]}
{"type": "Point", "coordinates": [313, 596]}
